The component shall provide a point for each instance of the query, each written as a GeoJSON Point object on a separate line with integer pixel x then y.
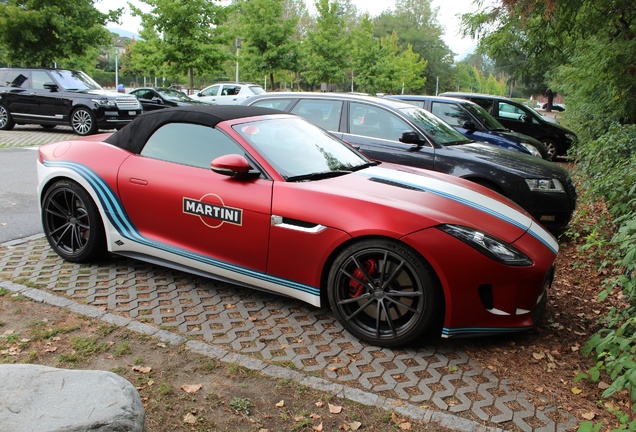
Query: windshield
{"type": "Point", "coordinates": [174, 95]}
{"type": "Point", "coordinates": [296, 148]}
{"type": "Point", "coordinates": [257, 90]}
{"type": "Point", "coordinates": [74, 80]}
{"type": "Point", "coordinates": [484, 117]}
{"type": "Point", "coordinates": [437, 128]}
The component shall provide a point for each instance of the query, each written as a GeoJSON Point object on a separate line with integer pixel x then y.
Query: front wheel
{"type": "Point", "coordinates": [83, 122]}
{"type": "Point", "coordinates": [552, 149]}
{"type": "Point", "coordinates": [72, 223]}
{"type": "Point", "coordinates": [6, 121]}
{"type": "Point", "coordinates": [383, 292]}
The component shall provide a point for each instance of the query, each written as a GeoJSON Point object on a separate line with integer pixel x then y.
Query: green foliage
{"type": "Point", "coordinates": [37, 33]}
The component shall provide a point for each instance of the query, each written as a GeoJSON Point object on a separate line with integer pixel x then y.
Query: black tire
{"type": "Point", "coordinates": [83, 122]}
{"type": "Point", "coordinates": [6, 121]}
{"type": "Point", "coordinates": [400, 303]}
{"type": "Point", "coordinates": [552, 149]}
{"type": "Point", "coordinates": [72, 223]}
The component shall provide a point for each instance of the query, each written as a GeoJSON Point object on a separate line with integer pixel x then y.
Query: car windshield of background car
{"type": "Point", "coordinates": [174, 95]}
{"type": "Point", "coordinates": [74, 80]}
{"type": "Point", "coordinates": [442, 132]}
{"type": "Point", "coordinates": [257, 89]}
{"type": "Point", "coordinates": [295, 147]}
{"type": "Point", "coordinates": [489, 122]}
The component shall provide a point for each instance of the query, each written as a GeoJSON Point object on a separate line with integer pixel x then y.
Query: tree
{"type": "Point", "coordinates": [180, 37]}
{"type": "Point", "coordinates": [269, 42]}
{"type": "Point", "coordinates": [326, 46]}
{"type": "Point", "coordinates": [45, 33]}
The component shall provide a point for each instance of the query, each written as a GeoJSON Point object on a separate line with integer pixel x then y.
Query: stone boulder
{"type": "Point", "coordinates": [44, 399]}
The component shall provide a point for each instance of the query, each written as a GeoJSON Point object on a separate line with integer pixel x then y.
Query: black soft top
{"type": "Point", "coordinates": [133, 136]}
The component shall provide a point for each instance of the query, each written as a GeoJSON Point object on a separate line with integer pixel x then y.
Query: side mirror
{"type": "Point", "coordinates": [234, 165]}
{"type": "Point", "coordinates": [524, 118]}
{"type": "Point", "coordinates": [157, 100]}
{"type": "Point", "coordinates": [51, 86]}
{"type": "Point", "coordinates": [469, 125]}
{"type": "Point", "coordinates": [410, 137]}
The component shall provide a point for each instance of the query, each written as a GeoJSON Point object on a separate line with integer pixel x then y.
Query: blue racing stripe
{"type": "Point", "coordinates": [119, 219]}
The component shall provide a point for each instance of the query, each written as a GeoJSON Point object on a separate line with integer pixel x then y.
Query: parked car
{"type": "Point", "coordinates": [555, 107]}
{"type": "Point", "coordinates": [51, 97]}
{"type": "Point", "coordinates": [394, 131]}
{"type": "Point", "coordinates": [228, 93]}
{"type": "Point", "coordinates": [525, 120]}
{"type": "Point", "coordinates": [268, 200]}
{"type": "Point", "coordinates": [160, 98]}
{"type": "Point", "coordinates": [476, 123]}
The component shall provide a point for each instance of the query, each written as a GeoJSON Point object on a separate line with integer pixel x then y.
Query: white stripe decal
{"type": "Point", "coordinates": [467, 197]}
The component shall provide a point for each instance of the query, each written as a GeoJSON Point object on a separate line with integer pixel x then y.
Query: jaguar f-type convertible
{"type": "Point", "coordinates": [264, 199]}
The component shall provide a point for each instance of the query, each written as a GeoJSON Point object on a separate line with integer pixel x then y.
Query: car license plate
{"type": "Point", "coordinates": [132, 112]}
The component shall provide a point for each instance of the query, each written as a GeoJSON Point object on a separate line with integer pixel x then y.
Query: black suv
{"type": "Point", "coordinates": [523, 119]}
{"type": "Point", "coordinates": [51, 97]}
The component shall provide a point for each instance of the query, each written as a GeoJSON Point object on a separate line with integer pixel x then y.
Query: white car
{"type": "Point", "coordinates": [228, 93]}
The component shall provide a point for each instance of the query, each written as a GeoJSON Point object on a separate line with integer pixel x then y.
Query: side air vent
{"type": "Point", "coordinates": [396, 184]}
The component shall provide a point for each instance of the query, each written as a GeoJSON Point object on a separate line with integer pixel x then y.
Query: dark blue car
{"type": "Point", "coordinates": [476, 123]}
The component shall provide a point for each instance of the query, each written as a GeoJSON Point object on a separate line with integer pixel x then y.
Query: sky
{"type": "Point", "coordinates": [447, 17]}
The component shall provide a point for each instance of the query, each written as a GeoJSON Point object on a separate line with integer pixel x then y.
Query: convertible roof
{"type": "Point", "coordinates": [133, 136]}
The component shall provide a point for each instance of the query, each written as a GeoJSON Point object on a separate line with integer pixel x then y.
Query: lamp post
{"type": "Point", "coordinates": [237, 44]}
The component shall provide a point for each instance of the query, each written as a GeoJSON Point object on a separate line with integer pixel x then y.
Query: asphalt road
{"type": "Point", "coordinates": [19, 213]}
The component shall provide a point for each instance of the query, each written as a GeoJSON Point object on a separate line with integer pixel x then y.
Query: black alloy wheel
{"type": "Point", "coordinates": [383, 292]}
{"type": "Point", "coordinates": [72, 223]}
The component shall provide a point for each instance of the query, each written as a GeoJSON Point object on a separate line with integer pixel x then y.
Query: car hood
{"type": "Point", "coordinates": [516, 136]}
{"type": "Point", "coordinates": [105, 93]}
{"type": "Point", "coordinates": [524, 165]}
{"type": "Point", "coordinates": [403, 200]}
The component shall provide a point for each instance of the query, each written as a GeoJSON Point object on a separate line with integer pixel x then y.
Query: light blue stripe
{"type": "Point", "coordinates": [466, 202]}
{"type": "Point", "coordinates": [117, 215]}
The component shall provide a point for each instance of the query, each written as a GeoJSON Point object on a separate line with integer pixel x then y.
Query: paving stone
{"type": "Point", "coordinates": [255, 329]}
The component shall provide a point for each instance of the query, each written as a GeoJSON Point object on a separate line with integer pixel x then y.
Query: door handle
{"type": "Point", "coordinates": [140, 182]}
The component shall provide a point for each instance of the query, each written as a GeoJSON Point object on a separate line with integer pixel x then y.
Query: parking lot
{"type": "Point", "coordinates": [258, 329]}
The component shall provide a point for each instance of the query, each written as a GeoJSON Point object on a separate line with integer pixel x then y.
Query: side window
{"type": "Point", "coordinates": [39, 78]}
{"type": "Point", "coordinates": [212, 91]}
{"type": "Point", "coordinates": [230, 90]}
{"type": "Point", "coordinates": [280, 104]}
{"type": "Point", "coordinates": [17, 79]}
{"type": "Point", "coordinates": [450, 113]}
{"type": "Point", "coordinates": [323, 113]}
{"type": "Point", "coordinates": [484, 103]}
{"type": "Point", "coordinates": [204, 144]}
{"type": "Point", "coordinates": [510, 111]}
{"type": "Point", "coordinates": [371, 121]}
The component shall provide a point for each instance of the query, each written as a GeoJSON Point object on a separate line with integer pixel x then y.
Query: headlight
{"type": "Point", "coordinates": [488, 245]}
{"type": "Point", "coordinates": [545, 185]}
{"type": "Point", "coordinates": [104, 103]}
{"type": "Point", "coordinates": [532, 149]}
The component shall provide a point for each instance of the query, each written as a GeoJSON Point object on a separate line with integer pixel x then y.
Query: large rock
{"type": "Point", "coordinates": [43, 399]}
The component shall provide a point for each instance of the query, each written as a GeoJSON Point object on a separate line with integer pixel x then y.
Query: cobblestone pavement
{"type": "Point", "coordinates": [263, 329]}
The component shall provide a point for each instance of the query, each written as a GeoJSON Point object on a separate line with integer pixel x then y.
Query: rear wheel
{"type": "Point", "coordinates": [83, 122]}
{"type": "Point", "coordinates": [383, 292]}
{"type": "Point", "coordinates": [72, 223]}
{"type": "Point", "coordinates": [6, 121]}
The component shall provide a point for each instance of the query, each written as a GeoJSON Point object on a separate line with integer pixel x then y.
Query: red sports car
{"type": "Point", "coordinates": [267, 200]}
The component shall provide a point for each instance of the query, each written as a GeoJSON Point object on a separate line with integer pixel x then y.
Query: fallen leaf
{"type": "Point", "coordinates": [319, 404]}
{"type": "Point", "coordinates": [603, 385]}
{"type": "Point", "coordinates": [538, 356]}
{"type": "Point", "coordinates": [314, 416]}
{"type": "Point", "coordinates": [318, 428]}
{"type": "Point", "coordinates": [161, 345]}
{"type": "Point", "coordinates": [299, 418]}
{"type": "Point", "coordinates": [280, 404]}
{"type": "Point", "coordinates": [576, 390]}
{"type": "Point", "coordinates": [142, 369]}
{"type": "Point", "coordinates": [405, 426]}
{"type": "Point", "coordinates": [335, 409]}
{"type": "Point", "coordinates": [191, 388]}
{"type": "Point", "coordinates": [355, 425]}
{"type": "Point", "coordinates": [189, 418]}
{"type": "Point", "coordinates": [539, 389]}
{"type": "Point", "coordinates": [50, 349]}
{"type": "Point", "coordinates": [588, 415]}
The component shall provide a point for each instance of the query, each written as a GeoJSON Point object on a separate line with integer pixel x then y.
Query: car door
{"type": "Point", "coordinates": [515, 117]}
{"type": "Point", "coordinates": [377, 131]}
{"type": "Point", "coordinates": [178, 204]}
{"type": "Point", "coordinates": [228, 94]}
{"type": "Point", "coordinates": [48, 96]}
{"type": "Point", "coordinates": [17, 98]}
{"type": "Point", "coordinates": [209, 95]}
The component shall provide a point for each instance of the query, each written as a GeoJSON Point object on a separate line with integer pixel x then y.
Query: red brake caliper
{"type": "Point", "coordinates": [356, 288]}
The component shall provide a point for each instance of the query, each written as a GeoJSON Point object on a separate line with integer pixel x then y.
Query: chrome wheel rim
{"type": "Point", "coordinates": [82, 122]}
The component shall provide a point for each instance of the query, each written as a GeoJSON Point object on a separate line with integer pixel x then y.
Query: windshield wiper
{"type": "Point", "coordinates": [365, 165]}
{"type": "Point", "coordinates": [318, 175]}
